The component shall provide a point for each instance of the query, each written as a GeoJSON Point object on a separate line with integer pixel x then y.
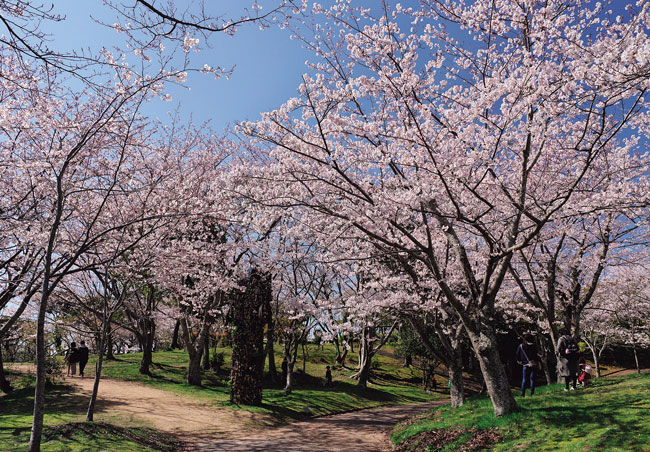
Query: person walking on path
{"type": "Point", "coordinates": [528, 359]}
{"type": "Point", "coordinates": [82, 353]}
{"type": "Point", "coordinates": [569, 353]}
{"type": "Point", "coordinates": [71, 359]}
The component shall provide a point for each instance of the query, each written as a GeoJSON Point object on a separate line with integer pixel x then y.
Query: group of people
{"type": "Point", "coordinates": [76, 355]}
{"type": "Point", "coordinates": [572, 366]}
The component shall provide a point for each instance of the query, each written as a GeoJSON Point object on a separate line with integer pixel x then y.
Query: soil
{"type": "Point", "coordinates": [202, 426]}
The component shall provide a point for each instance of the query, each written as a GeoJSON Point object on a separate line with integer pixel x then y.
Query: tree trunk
{"type": "Point", "coordinates": [175, 344]}
{"type": "Point", "coordinates": [273, 371]}
{"type": "Point", "coordinates": [484, 343]}
{"type": "Point", "coordinates": [248, 318]}
{"type": "Point", "coordinates": [39, 391]}
{"type": "Point", "coordinates": [456, 388]}
{"type": "Point", "coordinates": [4, 383]}
{"type": "Point", "coordinates": [98, 372]}
{"type": "Point", "coordinates": [149, 333]}
{"type": "Point", "coordinates": [194, 369]}
{"type": "Point", "coordinates": [109, 348]}
{"type": "Point", "coordinates": [365, 357]}
{"type": "Point", "coordinates": [289, 382]}
{"type": "Point", "coordinates": [206, 353]}
{"type": "Point", "coordinates": [636, 359]}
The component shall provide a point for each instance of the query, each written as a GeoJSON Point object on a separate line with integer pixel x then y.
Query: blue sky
{"type": "Point", "coordinates": [268, 64]}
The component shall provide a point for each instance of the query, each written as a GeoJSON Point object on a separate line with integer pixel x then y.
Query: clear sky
{"type": "Point", "coordinates": [268, 64]}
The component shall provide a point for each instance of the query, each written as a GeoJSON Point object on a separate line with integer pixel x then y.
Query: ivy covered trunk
{"type": "Point", "coordinates": [248, 318]}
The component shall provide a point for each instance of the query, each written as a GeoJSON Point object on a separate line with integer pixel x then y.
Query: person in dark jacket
{"type": "Point", "coordinates": [569, 354]}
{"type": "Point", "coordinates": [328, 376]}
{"type": "Point", "coordinates": [528, 359]}
{"type": "Point", "coordinates": [82, 353]}
{"type": "Point", "coordinates": [71, 359]}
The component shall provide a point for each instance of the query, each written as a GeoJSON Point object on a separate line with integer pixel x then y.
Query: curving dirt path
{"type": "Point", "coordinates": [206, 427]}
{"type": "Point", "coordinates": [360, 431]}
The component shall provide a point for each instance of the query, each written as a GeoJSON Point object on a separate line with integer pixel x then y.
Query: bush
{"type": "Point", "coordinates": [217, 362]}
{"type": "Point", "coordinates": [53, 369]}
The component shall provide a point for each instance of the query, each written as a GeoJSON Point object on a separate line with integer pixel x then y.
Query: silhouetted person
{"type": "Point", "coordinates": [71, 359]}
{"type": "Point", "coordinates": [328, 376]}
{"type": "Point", "coordinates": [82, 353]}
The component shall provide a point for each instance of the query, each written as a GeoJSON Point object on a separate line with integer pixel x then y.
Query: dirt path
{"type": "Point", "coordinates": [360, 431]}
{"type": "Point", "coordinates": [205, 427]}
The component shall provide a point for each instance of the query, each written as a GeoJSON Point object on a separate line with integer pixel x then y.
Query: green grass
{"type": "Point", "coordinates": [609, 416]}
{"type": "Point", "coordinates": [391, 384]}
{"type": "Point", "coordinates": [63, 407]}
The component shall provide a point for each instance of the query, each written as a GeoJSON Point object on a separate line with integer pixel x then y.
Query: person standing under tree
{"type": "Point", "coordinates": [569, 354]}
{"type": "Point", "coordinates": [71, 359]}
{"type": "Point", "coordinates": [328, 376]}
{"type": "Point", "coordinates": [82, 352]}
{"type": "Point", "coordinates": [528, 359]}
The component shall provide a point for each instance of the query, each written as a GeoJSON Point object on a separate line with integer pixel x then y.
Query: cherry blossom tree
{"type": "Point", "coordinates": [415, 140]}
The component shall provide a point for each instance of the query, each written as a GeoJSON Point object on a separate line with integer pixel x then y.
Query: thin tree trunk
{"type": "Point", "coordinates": [175, 344]}
{"type": "Point", "coordinates": [4, 383]}
{"type": "Point", "coordinates": [289, 382]}
{"type": "Point", "coordinates": [273, 371]}
{"type": "Point", "coordinates": [98, 372]}
{"type": "Point", "coordinates": [636, 359]}
{"type": "Point", "coordinates": [206, 353]}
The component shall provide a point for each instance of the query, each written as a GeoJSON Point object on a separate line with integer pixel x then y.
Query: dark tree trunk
{"type": "Point", "coordinates": [456, 388]}
{"type": "Point", "coordinates": [408, 360]}
{"type": "Point", "coordinates": [109, 348]}
{"type": "Point", "coordinates": [194, 370]}
{"type": "Point", "coordinates": [248, 318]}
{"type": "Point", "coordinates": [103, 341]}
{"type": "Point", "coordinates": [4, 383]}
{"type": "Point", "coordinates": [273, 371]}
{"type": "Point", "coordinates": [175, 345]}
{"type": "Point", "coordinates": [147, 338]}
{"type": "Point", "coordinates": [206, 354]}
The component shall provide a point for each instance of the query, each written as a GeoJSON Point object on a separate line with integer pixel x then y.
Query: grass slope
{"type": "Point", "coordinates": [392, 384]}
{"type": "Point", "coordinates": [65, 429]}
{"type": "Point", "coordinates": [609, 416]}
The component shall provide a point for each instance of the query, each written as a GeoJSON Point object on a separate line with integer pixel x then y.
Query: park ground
{"type": "Point", "coordinates": [161, 413]}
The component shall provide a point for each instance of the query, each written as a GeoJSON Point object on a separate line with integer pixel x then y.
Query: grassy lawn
{"type": "Point", "coordinates": [65, 429]}
{"type": "Point", "coordinates": [610, 415]}
{"type": "Point", "coordinates": [392, 384]}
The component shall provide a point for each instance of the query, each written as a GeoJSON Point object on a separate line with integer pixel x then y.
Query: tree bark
{"type": "Point", "coordinates": [456, 388]}
{"type": "Point", "coordinates": [194, 370]}
{"type": "Point", "coordinates": [109, 348]}
{"type": "Point", "coordinates": [175, 345]}
{"type": "Point", "coordinates": [98, 372]}
{"type": "Point", "coordinates": [248, 318]}
{"type": "Point", "coordinates": [206, 353]}
{"type": "Point", "coordinates": [365, 357]}
{"type": "Point", "coordinates": [4, 383]}
{"type": "Point", "coordinates": [484, 342]}
{"type": "Point", "coordinates": [273, 371]}
{"type": "Point", "coordinates": [147, 338]}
